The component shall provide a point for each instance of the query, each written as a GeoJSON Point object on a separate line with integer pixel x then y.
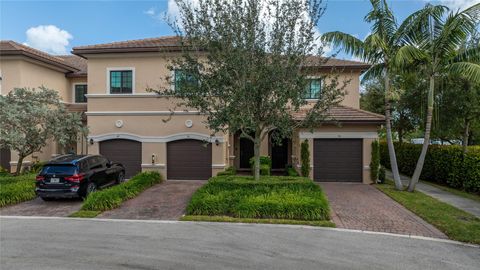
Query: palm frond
{"type": "Point", "coordinates": [471, 71]}
{"type": "Point", "coordinates": [382, 18]}
{"type": "Point", "coordinates": [468, 55]}
{"type": "Point", "coordinates": [409, 54]}
{"type": "Point", "coordinates": [375, 71]}
{"type": "Point", "coordinates": [348, 43]}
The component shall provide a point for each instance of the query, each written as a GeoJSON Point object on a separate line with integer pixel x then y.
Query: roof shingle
{"type": "Point", "coordinates": [9, 47]}
{"type": "Point", "coordinates": [345, 114]}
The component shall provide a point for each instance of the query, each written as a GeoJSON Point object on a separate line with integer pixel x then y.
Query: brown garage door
{"type": "Point", "coordinates": [5, 158]}
{"type": "Point", "coordinates": [189, 160]}
{"type": "Point", "coordinates": [127, 152]}
{"type": "Point", "coordinates": [337, 160]}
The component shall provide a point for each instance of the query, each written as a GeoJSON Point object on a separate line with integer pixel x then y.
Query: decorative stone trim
{"type": "Point", "coordinates": [159, 166]}
{"type": "Point", "coordinates": [169, 138]}
{"type": "Point", "coordinates": [218, 166]}
{"type": "Point", "coordinates": [338, 135]}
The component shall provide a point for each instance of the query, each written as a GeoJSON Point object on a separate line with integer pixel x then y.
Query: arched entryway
{"type": "Point", "coordinates": [189, 160]}
{"type": "Point", "coordinates": [126, 152]}
{"type": "Point", "coordinates": [5, 158]}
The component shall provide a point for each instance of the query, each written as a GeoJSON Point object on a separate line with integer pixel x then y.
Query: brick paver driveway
{"type": "Point", "coordinates": [363, 207]}
{"type": "Point", "coordinates": [38, 207]}
{"type": "Point", "coordinates": [163, 201]}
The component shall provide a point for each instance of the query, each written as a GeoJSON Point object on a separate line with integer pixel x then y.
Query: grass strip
{"type": "Point", "coordinates": [85, 214]}
{"type": "Point", "coordinates": [113, 197]}
{"type": "Point", "coordinates": [455, 223]}
{"type": "Point", "coordinates": [318, 223]}
{"type": "Point", "coordinates": [461, 193]}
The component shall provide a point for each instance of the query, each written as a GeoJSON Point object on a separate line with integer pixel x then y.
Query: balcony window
{"type": "Point", "coordinates": [121, 82]}
{"type": "Point", "coordinates": [183, 78]}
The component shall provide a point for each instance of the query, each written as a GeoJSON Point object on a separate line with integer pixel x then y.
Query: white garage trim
{"type": "Point", "coordinates": [164, 139]}
{"type": "Point", "coordinates": [338, 135]}
{"type": "Point", "coordinates": [218, 166]}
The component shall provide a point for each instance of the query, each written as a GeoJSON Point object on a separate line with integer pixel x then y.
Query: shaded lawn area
{"type": "Point", "coordinates": [286, 200]}
{"type": "Point", "coordinates": [455, 223]}
{"type": "Point", "coordinates": [16, 189]}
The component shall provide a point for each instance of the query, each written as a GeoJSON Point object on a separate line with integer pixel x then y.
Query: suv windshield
{"type": "Point", "coordinates": [59, 169]}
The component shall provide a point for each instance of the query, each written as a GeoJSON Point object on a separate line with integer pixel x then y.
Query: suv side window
{"type": "Point", "coordinates": [94, 163]}
{"type": "Point", "coordinates": [83, 166]}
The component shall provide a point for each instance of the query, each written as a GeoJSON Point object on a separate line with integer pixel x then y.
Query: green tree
{"type": "Point", "coordinates": [432, 42]}
{"type": "Point", "coordinates": [305, 159]}
{"type": "Point", "coordinates": [29, 118]}
{"type": "Point", "coordinates": [245, 66]}
{"type": "Point", "coordinates": [379, 49]}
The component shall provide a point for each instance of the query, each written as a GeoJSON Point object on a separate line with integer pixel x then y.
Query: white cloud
{"type": "Point", "coordinates": [48, 38]}
{"type": "Point", "coordinates": [150, 11]}
{"type": "Point", "coordinates": [455, 4]}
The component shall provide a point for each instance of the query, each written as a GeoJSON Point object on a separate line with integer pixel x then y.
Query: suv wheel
{"type": "Point", "coordinates": [120, 178]}
{"type": "Point", "coordinates": [92, 187]}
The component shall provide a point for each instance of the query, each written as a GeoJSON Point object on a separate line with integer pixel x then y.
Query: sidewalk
{"type": "Point", "coordinates": [465, 204]}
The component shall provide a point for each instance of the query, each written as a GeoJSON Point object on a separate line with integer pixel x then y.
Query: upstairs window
{"type": "Point", "coordinates": [80, 92]}
{"type": "Point", "coordinates": [313, 89]}
{"type": "Point", "coordinates": [121, 82]}
{"type": "Point", "coordinates": [183, 78]}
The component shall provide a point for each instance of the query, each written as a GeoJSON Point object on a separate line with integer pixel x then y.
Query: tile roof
{"type": "Point", "coordinates": [173, 43]}
{"type": "Point", "coordinates": [9, 47]}
{"type": "Point", "coordinates": [77, 62]}
{"type": "Point", "coordinates": [346, 114]}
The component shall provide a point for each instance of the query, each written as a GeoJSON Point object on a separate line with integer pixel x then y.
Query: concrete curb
{"type": "Point", "coordinates": [244, 224]}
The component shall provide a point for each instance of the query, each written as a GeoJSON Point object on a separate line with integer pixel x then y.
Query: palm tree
{"type": "Point", "coordinates": [433, 42]}
{"type": "Point", "coordinates": [379, 49]}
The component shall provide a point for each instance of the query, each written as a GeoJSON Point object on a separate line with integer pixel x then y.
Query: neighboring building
{"type": "Point", "coordinates": [127, 123]}
{"type": "Point", "coordinates": [22, 66]}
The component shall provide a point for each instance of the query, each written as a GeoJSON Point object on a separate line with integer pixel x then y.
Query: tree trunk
{"type": "Point", "coordinates": [466, 130]}
{"type": "Point", "coordinates": [426, 141]}
{"type": "Point", "coordinates": [19, 165]}
{"type": "Point", "coordinates": [256, 152]}
{"type": "Point", "coordinates": [388, 126]}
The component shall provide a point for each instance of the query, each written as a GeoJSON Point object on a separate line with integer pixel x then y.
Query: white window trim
{"type": "Point", "coordinates": [120, 69]}
{"type": "Point", "coordinates": [73, 93]}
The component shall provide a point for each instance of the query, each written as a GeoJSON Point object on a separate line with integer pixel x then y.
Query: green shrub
{"type": "Point", "coordinates": [37, 167]}
{"type": "Point", "coordinates": [113, 197]}
{"type": "Point", "coordinates": [265, 164]}
{"type": "Point", "coordinates": [375, 162]}
{"type": "Point", "coordinates": [3, 172]}
{"type": "Point", "coordinates": [445, 165]}
{"type": "Point", "coordinates": [271, 197]}
{"type": "Point", "coordinates": [15, 189]}
{"type": "Point", "coordinates": [381, 175]}
{"type": "Point", "coordinates": [228, 171]}
{"type": "Point", "coordinates": [305, 159]}
{"type": "Point", "coordinates": [291, 171]}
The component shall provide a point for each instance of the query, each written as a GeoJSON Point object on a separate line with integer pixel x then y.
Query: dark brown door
{"type": "Point", "coordinates": [337, 160]}
{"type": "Point", "coordinates": [246, 152]}
{"type": "Point", "coordinates": [5, 158]}
{"type": "Point", "coordinates": [279, 154]}
{"type": "Point", "coordinates": [189, 160]}
{"type": "Point", "coordinates": [127, 152]}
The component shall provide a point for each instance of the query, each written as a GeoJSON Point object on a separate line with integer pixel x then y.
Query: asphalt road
{"type": "Point", "coordinates": [43, 243]}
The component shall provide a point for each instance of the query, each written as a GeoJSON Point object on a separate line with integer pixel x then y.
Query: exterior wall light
{"type": "Point", "coordinates": [217, 142]}
{"type": "Point", "coordinates": [91, 141]}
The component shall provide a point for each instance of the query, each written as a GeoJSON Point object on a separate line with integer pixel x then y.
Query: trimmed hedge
{"type": "Point", "coordinates": [265, 165]}
{"type": "Point", "coordinates": [113, 197]}
{"type": "Point", "coordinates": [444, 164]}
{"type": "Point", "coordinates": [15, 189]}
{"type": "Point", "coordinates": [228, 171]}
{"type": "Point", "coordinates": [270, 197]}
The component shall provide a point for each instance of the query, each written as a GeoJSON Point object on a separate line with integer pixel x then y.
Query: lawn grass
{"type": "Point", "coordinates": [85, 214]}
{"type": "Point", "coordinates": [291, 198]}
{"type": "Point", "coordinates": [113, 197]}
{"type": "Point", "coordinates": [318, 223]}
{"type": "Point", "coordinates": [455, 191]}
{"type": "Point", "coordinates": [16, 189]}
{"type": "Point", "coordinates": [455, 223]}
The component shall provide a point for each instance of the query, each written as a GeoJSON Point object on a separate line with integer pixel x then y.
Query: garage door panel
{"type": "Point", "coordinates": [189, 160]}
{"type": "Point", "coordinates": [338, 160]}
{"type": "Point", "coordinates": [127, 152]}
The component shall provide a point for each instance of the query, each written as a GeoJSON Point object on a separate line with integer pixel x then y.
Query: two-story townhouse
{"type": "Point", "coordinates": [130, 125]}
{"type": "Point", "coordinates": [23, 66]}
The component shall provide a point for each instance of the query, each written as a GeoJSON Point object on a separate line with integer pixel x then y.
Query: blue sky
{"type": "Point", "coordinates": [57, 26]}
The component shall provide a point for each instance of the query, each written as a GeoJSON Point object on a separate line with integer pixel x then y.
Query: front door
{"type": "Point", "coordinates": [279, 154]}
{"type": "Point", "coordinates": [246, 153]}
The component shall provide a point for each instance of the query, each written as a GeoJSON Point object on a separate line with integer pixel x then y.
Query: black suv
{"type": "Point", "coordinates": [71, 176]}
